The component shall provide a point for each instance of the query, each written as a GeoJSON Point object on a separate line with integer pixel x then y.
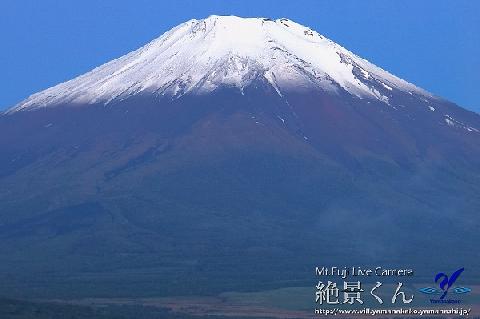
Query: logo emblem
{"type": "Point", "coordinates": [446, 282]}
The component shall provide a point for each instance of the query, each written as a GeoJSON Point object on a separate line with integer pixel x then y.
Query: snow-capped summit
{"type": "Point", "coordinates": [199, 56]}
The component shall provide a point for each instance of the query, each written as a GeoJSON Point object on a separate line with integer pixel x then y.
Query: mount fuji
{"type": "Point", "coordinates": [232, 154]}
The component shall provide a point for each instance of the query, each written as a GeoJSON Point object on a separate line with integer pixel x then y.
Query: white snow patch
{"type": "Point", "coordinates": [270, 76]}
{"type": "Point", "coordinates": [386, 86]}
{"type": "Point", "coordinates": [449, 122]}
{"type": "Point", "coordinates": [455, 123]}
{"type": "Point", "coordinates": [366, 75]}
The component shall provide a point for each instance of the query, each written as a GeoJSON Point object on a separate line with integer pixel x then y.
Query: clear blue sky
{"type": "Point", "coordinates": [433, 43]}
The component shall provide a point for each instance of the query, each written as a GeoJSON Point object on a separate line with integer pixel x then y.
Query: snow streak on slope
{"type": "Point", "coordinates": [200, 56]}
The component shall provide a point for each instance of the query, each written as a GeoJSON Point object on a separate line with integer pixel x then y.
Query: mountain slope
{"type": "Point", "coordinates": [232, 154]}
